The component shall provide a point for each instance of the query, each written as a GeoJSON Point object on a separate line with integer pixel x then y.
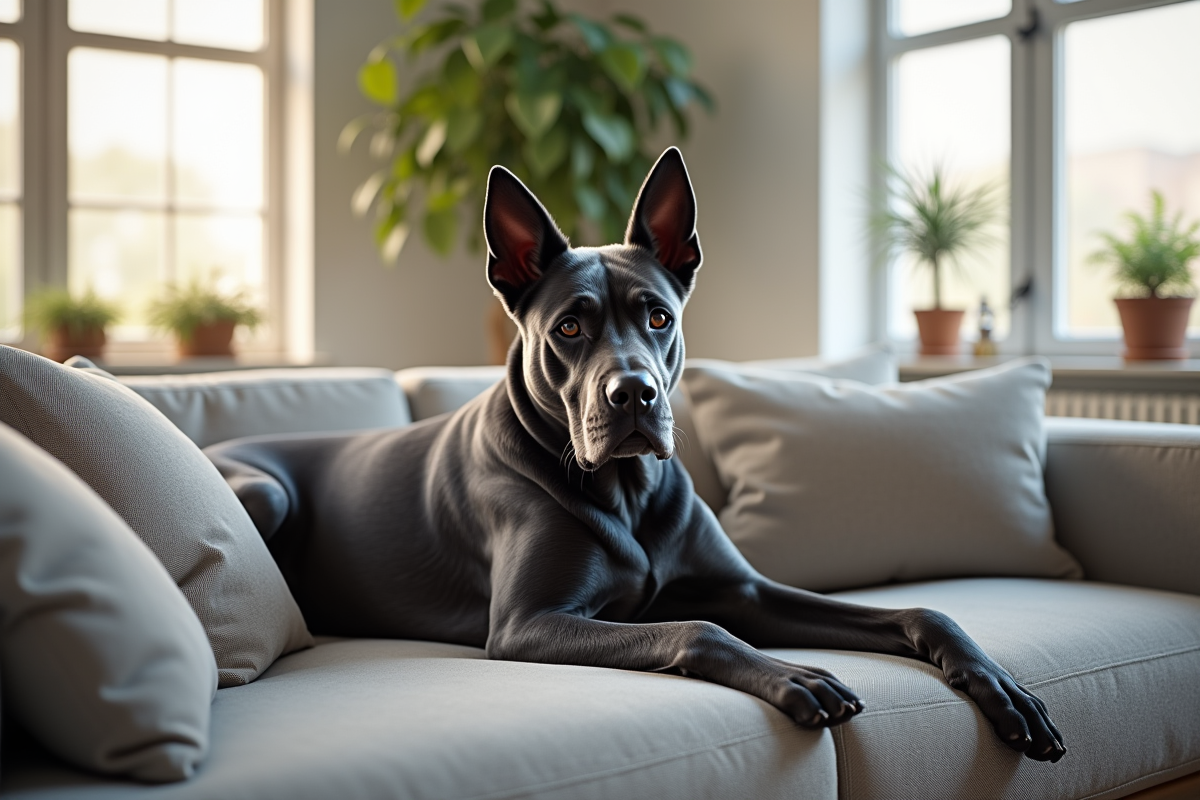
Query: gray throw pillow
{"type": "Point", "coordinates": [836, 484]}
{"type": "Point", "coordinates": [164, 488]}
{"type": "Point", "coordinates": [103, 660]}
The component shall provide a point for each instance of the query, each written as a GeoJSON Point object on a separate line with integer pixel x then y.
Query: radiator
{"type": "Point", "coordinates": [1140, 406]}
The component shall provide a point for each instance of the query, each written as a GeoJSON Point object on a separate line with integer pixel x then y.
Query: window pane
{"type": "Point", "coordinates": [222, 248]}
{"type": "Point", "coordinates": [922, 16]}
{"type": "Point", "coordinates": [218, 129]}
{"type": "Point", "coordinates": [1131, 125]}
{"type": "Point", "coordinates": [117, 125]}
{"type": "Point", "coordinates": [119, 254]}
{"type": "Point", "coordinates": [10, 10]}
{"type": "Point", "coordinates": [10, 271]}
{"type": "Point", "coordinates": [10, 120]}
{"type": "Point", "coordinates": [138, 19]}
{"type": "Point", "coordinates": [952, 109]}
{"type": "Point", "coordinates": [236, 24]}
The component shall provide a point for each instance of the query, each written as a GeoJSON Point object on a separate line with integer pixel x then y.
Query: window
{"type": "Point", "coordinates": [1077, 111]}
{"type": "Point", "coordinates": [152, 151]}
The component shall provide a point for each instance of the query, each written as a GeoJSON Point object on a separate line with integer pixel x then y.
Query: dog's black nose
{"type": "Point", "coordinates": [632, 392]}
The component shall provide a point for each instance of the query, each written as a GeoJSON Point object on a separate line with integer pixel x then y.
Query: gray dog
{"type": "Point", "coordinates": [473, 527]}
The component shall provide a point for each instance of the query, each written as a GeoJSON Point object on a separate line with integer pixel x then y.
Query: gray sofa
{"type": "Point", "coordinates": [1116, 657]}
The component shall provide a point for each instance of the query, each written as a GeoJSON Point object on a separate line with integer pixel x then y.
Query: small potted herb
{"type": "Point", "coordinates": [1153, 265]}
{"type": "Point", "coordinates": [202, 319]}
{"type": "Point", "coordinates": [940, 226]}
{"type": "Point", "coordinates": [70, 325]}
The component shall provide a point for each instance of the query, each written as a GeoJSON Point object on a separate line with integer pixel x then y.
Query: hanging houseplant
{"type": "Point", "coordinates": [564, 101]}
{"type": "Point", "coordinates": [70, 325]}
{"type": "Point", "coordinates": [1154, 265]}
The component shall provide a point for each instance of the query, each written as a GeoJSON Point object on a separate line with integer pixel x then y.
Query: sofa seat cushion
{"type": "Point", "coordinates": [382, 719]}
{"type": "Point", "coordinates": [1116, 666]}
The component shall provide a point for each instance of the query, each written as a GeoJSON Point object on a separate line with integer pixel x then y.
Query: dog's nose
{"type": "Point", "coordinates": [632, 392]}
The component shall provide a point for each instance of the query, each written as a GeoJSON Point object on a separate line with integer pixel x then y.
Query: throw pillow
{"type": "Point", "coordinates": [172, 496]}
{"type": "Point", "coordinates": [836, 484]}
{"type": "Point", "coordinates": [103, 660]}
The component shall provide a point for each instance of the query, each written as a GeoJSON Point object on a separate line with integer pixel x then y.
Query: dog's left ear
{"type": "Point", "coordinates": [522, 240]}
{"type": "Point", "coordinates": [664, 218]}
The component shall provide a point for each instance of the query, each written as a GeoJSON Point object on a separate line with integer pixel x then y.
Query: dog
{"type": "Point", "coordinates": [480, 528]}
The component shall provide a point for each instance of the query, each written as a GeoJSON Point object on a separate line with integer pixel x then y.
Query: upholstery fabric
{"type": "Point", "coordinates": [164, 488]}
{"type": "Point", "coordinates": [400, 719]}
{"type": "Point", "coordinates": [218, 406]}
{"type": "Point", "coordinates": [1126, 499]}
{"type": "Point", "coordinates": [102, 658]}
{"type": "Point", "coordinates": [1116, 667]}
{"type": "Point", "coordinates": [835, 484]}
{"type": "Point", "coordinates": [438, 390]}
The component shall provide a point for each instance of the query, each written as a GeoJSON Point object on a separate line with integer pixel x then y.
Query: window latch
{"type": "Point", "coordinates": [1033, 21]}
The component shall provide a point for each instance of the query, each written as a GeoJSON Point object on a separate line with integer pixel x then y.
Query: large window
{"type": "Point", "coordinates": [152, 121]}
{"type": "Point", "coordinates": [1076, 112]}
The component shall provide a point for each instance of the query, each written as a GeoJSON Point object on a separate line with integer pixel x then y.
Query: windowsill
{"type": "Point", "coordinates": [157, 364]}
{"type": "Point", "coordinates": [1096, 373]}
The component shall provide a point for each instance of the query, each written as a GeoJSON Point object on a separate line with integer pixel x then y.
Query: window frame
{"type": "Point", "coordinates": [1035, 29]}
{"type": "Point", "coordinates": [45, 40]}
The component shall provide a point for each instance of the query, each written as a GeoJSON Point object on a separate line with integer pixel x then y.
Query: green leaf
{"type": "Point", "coordinates": [657, 103]}
{"type": "Point", "coordinates": [462, 126]}
{"type": "Point", "coordinates": [583, 158]}
{"type": "Point", "coordinates": [377, 81]}
{"type": "Point", "coordinates": [625, 63]}
{"type": "Point", "coordinates": [675, 57]}
{"type": "Point", "coordinates": [431, 143]}
{"type": "Point", "coordinates": [548, 18]}
{"type": "Point", "coordinates": [426, 102]}
{"type": "Point", "coordinates": [680, 92]}
{"type": "Point", "coordinates": [421, 39]}
{"type": "Point", "coordinates": [617, 190]}
{"type": "Point", "coordinates": [545, 154]}
{"type": "Point", "coordinates": [590, 201]}
{"type": "Point", "coordinates": [596, 35]}
{"type": "Point", "coordinates": [534, 114]}
{"type": "Point", "coordinates": [460, 79]}
{"type": "Point", "coordinates": [393, 243]}
{"type": "Point", "coordinates": [706, 99]}
{"type": "Point", "coordinates": [631, 22]}
{"type": "Point", "coordinates": [587, 101]}
{"type": "Point", "coordinates": [441, 230]}
{"type": "Point", "coordinates": [404, 165]}
{"type": "Point", "coordinates": [614, 134]}
{"type": "Point", "coordinates": [487, 45]}
{"type": "Point", "coordinates": [498, 9]}
{"type": "Point", "coordinates": [407, 9]}
{"type": "Point", "coordinates": [350, 133]}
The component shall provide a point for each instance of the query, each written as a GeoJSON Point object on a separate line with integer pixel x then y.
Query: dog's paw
{"type": "Point", "coordinates": [1018, 716]}
{"type": "Point", "coordinates": [812, 696]}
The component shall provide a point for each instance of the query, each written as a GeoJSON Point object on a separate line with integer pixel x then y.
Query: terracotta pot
{"type": "Point", "coordinates": [213, 339]}
{"type": "Point", "coordinates": [939, 329]}
{"type": "Point", "coordinates": [1155, 327]}
{"type": "Point", "coordinates": [64, 342]}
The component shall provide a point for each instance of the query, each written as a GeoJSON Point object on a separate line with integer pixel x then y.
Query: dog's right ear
{"type": "Point", "coordinates": [522, 240]}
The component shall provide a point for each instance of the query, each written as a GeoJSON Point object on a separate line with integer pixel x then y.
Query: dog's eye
{"type": "Point", "coordinates": [569, 327]}
{"type": "Point", "coordinates": [659, 319]}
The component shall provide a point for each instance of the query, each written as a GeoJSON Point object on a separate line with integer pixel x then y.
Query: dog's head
{"type": "Point", "coordinates": [601, 343]}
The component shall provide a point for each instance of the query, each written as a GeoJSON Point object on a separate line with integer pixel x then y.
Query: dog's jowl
{"type": "Point", "coordinates": [547, 520]}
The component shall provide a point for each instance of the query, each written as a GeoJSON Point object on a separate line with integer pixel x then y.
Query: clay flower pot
{"type": "Point", "coordinates": [1155, 327]}
{"type": "Point", "coordinates": [939, 329]}
{"type": "Point", "coordinates": [65, 341]}
{"type": "Point", "coordinates": [210, 339]}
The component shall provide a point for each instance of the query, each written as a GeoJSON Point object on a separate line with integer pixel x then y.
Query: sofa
{"type": "Point", "coordinates": [1115, 656]}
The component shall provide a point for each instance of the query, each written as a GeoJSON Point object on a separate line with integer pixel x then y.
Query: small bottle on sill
{"type": "Point", "coordinates": [985, 346]}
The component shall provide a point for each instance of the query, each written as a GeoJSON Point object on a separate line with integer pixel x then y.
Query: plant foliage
{"type": "Point", "coordinates": [934, 221]}
{"type": "Point", "coordinates": [183, 310]}
{"type": "Point", "coordinates": [52, 309]}
{"type": "Point", "coordinates": [564, 101]}
{"type": "Point", "coordinates": [1156, 256]}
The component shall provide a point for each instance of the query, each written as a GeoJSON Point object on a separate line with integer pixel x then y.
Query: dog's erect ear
{"type": "Point", "coordinates": [522, 240]}
{"type": "Point", "coordinates": [664, 218]}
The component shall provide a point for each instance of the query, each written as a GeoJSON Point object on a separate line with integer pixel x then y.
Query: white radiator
{"type": "Point", "coordinates": [1140, 406]}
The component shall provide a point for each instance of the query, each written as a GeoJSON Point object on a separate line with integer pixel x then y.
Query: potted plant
{"type": "Point", "coordinates": [202, 319]}
{"type": "Point", "coordinates": [70, 325]}
{"type": "Point", "coordinates": [939, 225]}
{"type": "Point", "coordinates": [1154, 262]}
{"type": "Point", "coordinates": [565, 101]}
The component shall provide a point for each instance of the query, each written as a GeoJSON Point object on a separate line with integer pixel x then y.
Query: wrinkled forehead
{"type": "Point", "coordinates": [604, 276]}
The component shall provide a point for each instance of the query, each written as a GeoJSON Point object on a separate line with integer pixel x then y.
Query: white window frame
{"type": "Point", "coordinates": [45, 40]}
{"type": "Point", "coordinates": [1035, 31]}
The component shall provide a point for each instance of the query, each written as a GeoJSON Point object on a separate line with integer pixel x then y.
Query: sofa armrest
{"type": "Point", "coordinates": [1126, 499]}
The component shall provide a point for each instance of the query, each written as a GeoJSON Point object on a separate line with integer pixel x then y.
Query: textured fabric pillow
{"type": "Point", "coordinates": [103, 660]}
{"type": "Point", "coordinates": [436, 390]}
{"type": "Point", "coordinates": [835, 484]}
{"type": "Point", "coordinates": [160, 483]}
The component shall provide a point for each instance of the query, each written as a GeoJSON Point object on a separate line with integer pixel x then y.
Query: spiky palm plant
{"type": "Point", "coordinates": [1157, 255]}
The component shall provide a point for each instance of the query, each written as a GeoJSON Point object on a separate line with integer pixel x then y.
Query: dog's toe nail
{"type": "Point", "coordinates": [820, 717]}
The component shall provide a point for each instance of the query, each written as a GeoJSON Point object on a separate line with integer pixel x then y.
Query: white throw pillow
{"type": "Point", "coordinates": [836, 484]}
{"type": "Point", "coordinates": [103, 660]}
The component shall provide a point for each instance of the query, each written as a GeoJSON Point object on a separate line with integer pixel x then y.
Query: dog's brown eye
{"type": "Point", "coordinates": [569, 328]}
{"type": "Point", "coordinates": [659, 319]}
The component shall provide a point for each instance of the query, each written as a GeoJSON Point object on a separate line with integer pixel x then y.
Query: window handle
{"type": "Point", "coordinates": [1033, 21]}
